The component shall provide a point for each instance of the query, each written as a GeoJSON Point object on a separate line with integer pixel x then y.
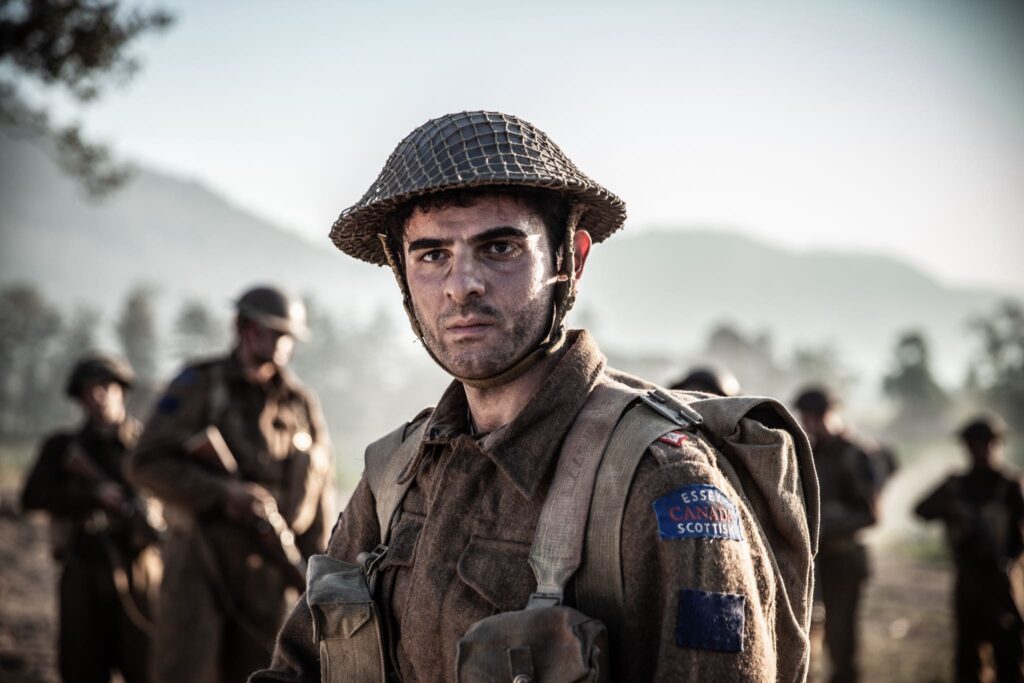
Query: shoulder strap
{"type": "Point", "coordinates": [218, 394]}
{"type": "Point", "coordinates": [385, 460]}
{"type": "Point", "coordinates": [599, 584]}
{"type": "Point", "coordinates": [558, 541]}
{"type": "Point", "coordinates": [582, 480]}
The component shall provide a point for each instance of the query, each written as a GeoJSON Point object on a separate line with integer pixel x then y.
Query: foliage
{"type": "Point", "coordinates": [29, 330]}
{"type": "Point", "coordinates": [137, 332]}
{"type": "Point", "coordinates": [198, 332]}
{"type": "Point", "coordinates": [74, 46]}
{"type": "Point", "coordinates": [998, 371]}
{"type": "Point", "coordinates": [910, 382]}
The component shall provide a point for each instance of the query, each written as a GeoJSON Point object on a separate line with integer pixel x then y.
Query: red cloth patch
{"type": "Point", "coordinates": [674, 439]}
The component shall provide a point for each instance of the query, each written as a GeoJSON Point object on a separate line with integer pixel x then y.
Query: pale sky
{"type": "Point", "coordinates": [880, 125]}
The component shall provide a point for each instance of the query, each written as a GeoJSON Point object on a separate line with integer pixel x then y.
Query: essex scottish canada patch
{"type": "Point", "coordinates": [697, 511]}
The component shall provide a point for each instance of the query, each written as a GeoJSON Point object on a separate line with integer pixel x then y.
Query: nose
{"type": "Point", "coordinates": [464, 281]}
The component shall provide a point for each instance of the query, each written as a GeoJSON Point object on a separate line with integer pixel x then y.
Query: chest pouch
{"type": "Point", "coordinates": [547, 641]}
{"type": "Point", "coordinates": [346, 621]}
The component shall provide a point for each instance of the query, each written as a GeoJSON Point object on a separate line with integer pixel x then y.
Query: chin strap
{"type": "Point", "coordinates": [565, 297]}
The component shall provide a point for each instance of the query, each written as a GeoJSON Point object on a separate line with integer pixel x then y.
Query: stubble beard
{"type": "Point", "coordinates": [480, 360]}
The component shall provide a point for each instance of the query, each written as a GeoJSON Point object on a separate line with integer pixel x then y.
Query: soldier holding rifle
{"type": "Point", "coordinates": [238, 451]}
{"type": "Point", "coordinates": [983, 511]}
{"type": "Point", "coordinates": [100, 529]}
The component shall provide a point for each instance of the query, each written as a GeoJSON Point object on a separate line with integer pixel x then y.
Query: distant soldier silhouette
{"type": "Point", "coordinates": [851, 473]}
{"type": "Point", "coordinates": [100, 529]}
{"type": "Point", "coordinates": [238, 450]}
{"type": "Point", "coordinates": [707, 379]}
{"type": "Point", "coordinates": [983, 511]}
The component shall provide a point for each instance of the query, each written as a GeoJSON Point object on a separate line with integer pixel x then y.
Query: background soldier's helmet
{"type": "Point", "coordinates": [471, 149]}
{"type": "Point", "coordinates": [273, 308]}
{"type": "Point", "coordinates": [815, 401]}
{"type": "Point", "coordinates": [710, 380]}
{"type": "Point", "coordinates": [99, 368]}
{"type": "Point", "coordinates": [984, 427]}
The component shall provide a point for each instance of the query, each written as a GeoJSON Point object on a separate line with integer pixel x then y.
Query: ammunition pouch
{"type": "Point", "coordinates": [541, 644]}
{"type": "Point", "coordinates": [346, 621]}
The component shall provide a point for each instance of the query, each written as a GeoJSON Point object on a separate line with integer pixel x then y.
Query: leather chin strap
{"type": "Point", "coordinates": [565, 297]}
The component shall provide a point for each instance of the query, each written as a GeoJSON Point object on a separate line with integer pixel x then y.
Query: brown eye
{"type": "Point", "coordinates": [502, 248]}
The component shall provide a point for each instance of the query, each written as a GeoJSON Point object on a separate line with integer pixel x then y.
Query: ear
{"type": "Point", "coordinates": [581, 242]}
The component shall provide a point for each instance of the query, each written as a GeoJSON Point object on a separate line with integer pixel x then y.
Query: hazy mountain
{"type": "Point", "coordinates": [167, 231]}
{"type": "Point", "coordinates": [649, 290]}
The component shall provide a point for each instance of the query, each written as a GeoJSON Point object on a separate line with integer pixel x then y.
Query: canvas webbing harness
{"type": "Point", "coordinates": [578, 533]}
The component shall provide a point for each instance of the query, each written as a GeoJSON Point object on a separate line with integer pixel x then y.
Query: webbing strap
{"type": "Point", "coordinates": [387, 490]}
{"type": "Point", "coordinates": [558, 542]}
{"type": "Point", "coordinates": [599, 586]}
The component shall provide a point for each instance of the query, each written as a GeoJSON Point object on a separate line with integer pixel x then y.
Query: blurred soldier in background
{"type": "Point", "coordinates": [983, 511]}
{"type": "Point", "coordinates": [851, 474]}
{"type": "Point", "coordinates": [239, 452]}
{"type": "Point", "coordinates": [101, 530]}
{"type": "Point", "coordinates": [709, 380]}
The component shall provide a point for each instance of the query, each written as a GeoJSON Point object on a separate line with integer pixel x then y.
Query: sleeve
{"type": "Point", "coordinates": [700, 591]}
{"type": "Point", "coordinates": [858, 507]}
{"type": "Point", "coordinates": [316, 499]}
{"type": "Point", "coordinates": [936, 504]}
{"type": "Point", "coordinates": [1015, 544]}
{"type": "Point", "coordinates": [159, 462]}
{"type": "Point", "coordinates": [296, 656]}
{"type": "Point", "coordinates": [50, 487]}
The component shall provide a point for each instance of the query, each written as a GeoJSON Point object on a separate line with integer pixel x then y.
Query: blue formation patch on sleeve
{"type": "Point", "coordinates": [697, 511]}
{"type": "Point", "coordinates": [710, 621]}
{"type": "Point", "coordinates": [168, 405]}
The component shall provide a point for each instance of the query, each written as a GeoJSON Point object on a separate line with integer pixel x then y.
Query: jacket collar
{"type": "Point", "coordinates": [525, 448]}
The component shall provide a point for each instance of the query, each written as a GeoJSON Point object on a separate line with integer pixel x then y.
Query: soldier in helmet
{"type": "Point", "coordinates": [100, 527]}
{"type": "Point", "coordinates": [471, 550]}
{"type": "Point", "coordinates": [714, 380]}
{"type": "Point", "coordinates": [851, 473]}
{"type": "Point", "coordinates": [238, 451]}
{"type": "Point", "coordinates": [983, 511]}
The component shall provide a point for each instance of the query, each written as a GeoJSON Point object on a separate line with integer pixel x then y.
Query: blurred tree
{"type": "Point", "coordinates": [29, 388]}
{"type": "Point", "coordinates": [750, 357]}
{"type": "Point", "coordinates": [74, 46]}
{"type": "Point", "coordinates": [911, 384]}
{"type": "Point", "coordinates": [198, 332]}
{"type": "Point", "coordinates": [998, 370]}
{"type": "Point", "coordinates": [137, 332]}
{"type": "Point", "coordinates": [821, 365]}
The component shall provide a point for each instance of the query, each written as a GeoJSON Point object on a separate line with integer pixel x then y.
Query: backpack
{"type": "Point", "coordinates": [579, 533]}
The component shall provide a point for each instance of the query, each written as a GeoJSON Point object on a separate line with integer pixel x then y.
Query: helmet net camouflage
{"type": "Point", "coordinates": [471, 149]}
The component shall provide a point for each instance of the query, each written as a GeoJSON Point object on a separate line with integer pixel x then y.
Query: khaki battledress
{"type": "Point", "coordinates": [698, 608]}
{"type": "Point", "coordinates": [221, 602]}
{"type": "Point", "coordinates": [983, 510]}
{"type": "Point", "coordinates": [849, 493]}
{"type": "Point", "coordinates": [97, 633]}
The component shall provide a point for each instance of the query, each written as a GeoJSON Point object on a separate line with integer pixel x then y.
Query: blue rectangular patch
{"type": "Point", "coordinates": [697, 511]}
{"type": "Point", "coordinates": [710, 621]}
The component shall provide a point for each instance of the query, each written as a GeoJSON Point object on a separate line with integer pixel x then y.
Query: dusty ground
{"type": "Point", "coordinates": [28, 583]}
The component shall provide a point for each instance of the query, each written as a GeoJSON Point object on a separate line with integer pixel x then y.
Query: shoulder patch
{"type": "Point", "coordinates": [710, 621]}
{"type": "Point", "coordinates": [168, 404]}
{"type": "Point", "coordinates": [697, 511]}
{"type": "Point", "coordinates": [186, 377]}
{"type": "Point", "coordinates": [675, 438]}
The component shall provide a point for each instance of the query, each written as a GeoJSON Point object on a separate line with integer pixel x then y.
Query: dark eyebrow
{"type": "Point", "coordinates": [499, 232]}
{"type": "Point", "coordinates": [428, 243]}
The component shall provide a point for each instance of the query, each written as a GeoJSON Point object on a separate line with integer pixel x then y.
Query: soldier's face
{"type": "Point", "coordinates": [103, 402]}
{"type": "Point", "coordinates": [264, 345]}
{"type": "Point", "coordinates": [481, 280]}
